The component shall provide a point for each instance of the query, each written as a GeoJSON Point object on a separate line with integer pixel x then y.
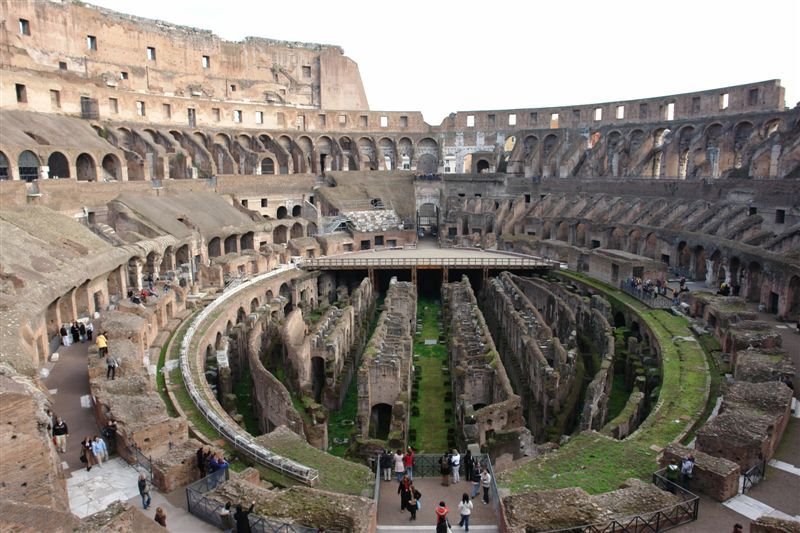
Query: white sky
{"type": "Point", "coordinates": [442, 56]}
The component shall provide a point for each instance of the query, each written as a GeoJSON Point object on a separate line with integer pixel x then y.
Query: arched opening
{"type": "Point", "coordinates": [735, 275]}
{"type": "Point", "coordinates": [248, 241]}
{"type": "Point", "coordinates": [380, 420]}
{"type": "Point", "coordinates": [286, 293]}
{"type": "Point", "coordinates": [297, 231]}
{"type": "Point", "coordinates": [230, 244]}
{"type": "Point", "coordinates": [241, 315]}
{"type": "Point", "coordinates": [297, 211]}
{"type": "Point", "coordinates": [111, 167]}
{"type": "Point", "coordinates": [228, 328]}
{"type": "Point", "coordinates": [684, 256]}
{"type": "Point", "coordinates": [562, 232]}
{"type": "Point", "coordinates": [650, 246]}
{"type": "Point", "coordinates": [311, 229]}
{"type": "Point", "coordinates": [281, 213]}
{"type": "Point", "coordinates": [58, 164]}
{"type": "Point", "coordinates": [85, 168]}
{"type": "Point", "coordinates": [218, 341]}
{"type": "Point", "coordinates": [580, 235]}
{"type": "Point", "coordinates": [214, 247]}
{"type": "Point", "coordinates": [700, 267]}
{"type": "Point", "coordinates": [253, 305]}
{"type": "Point", "coordinates": [753, 282]}
{"type": "Point", "coordinates": [482, 166]}
{"type": "Point", "coordinates": [279, 235]}
{"type": "Point", "coordinates": [615, 239]}
{"type": "Point", "coordinates": [267, 166]}
{"type": "Point", "coordinates": [269, 296]}
{"type": "Point", "coordinates": [427, 164]}
{"type": "Point", "coordinates": [317, 377]}
{"type": "Point", "coordinates": [28, 166]}
{"type": "Point", "coordinates": [634, 241]}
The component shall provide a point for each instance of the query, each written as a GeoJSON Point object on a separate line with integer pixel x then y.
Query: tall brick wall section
{"type": "Point", "coordinates": [716, 477]}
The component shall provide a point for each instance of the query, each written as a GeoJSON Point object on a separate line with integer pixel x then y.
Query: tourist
{"type": "Point", "coordinates": [486, 483]}
{"type": "Point", "coordinates": [110, 433]}
{"type": "Point", "coordinates": [404, 490]}
{"type": "Point", "coordinates": [465, 509]}
{"type": "Point", "coordinates": [225, 518]}
{"type": "Point", "coordinates": [242, 518]}
{"type": "Point", "coordinates": [413, 502]}
{"type": "Point", "coordinates": [111, 364]}
{"type": "Point", "coordinates": [476, 479]}
{"type": "Point", "coordinates": [89, 331]}
{"type": "Point", "coordinates": [738, 528]}
{"type": "Point", "coordinates": [455, 462]}
{"type": "Point", "coordinates": [60, 433]}
{"type": "Point", "coordinates": [408, 462]}
{"type": "Point", "coordinates": [445, 468]}
{"type": "Point", "coordinates": [468, 466]}
{"type": "Point", "coordinates": [687, 466]}
{"type": "Point", "coordinates": [102, 344]}
{"type": "Point", "coordinates": [160, 517]}
{"type": "Point", "coordinates": [87, 455]}
{"type": "Point", "coordinates": [82, 331]}
{"type": "Point", "coordinates": [672, 474]}
{"type": "Point", "coordinates": [399, 466]}
{"type": "Point", "coordinates": [442, 525]}
{"type": "Point", "coordinates": [144, 491]}
{"type": "Point", "coordinates": [100, 450]}
{"type": "Point", "coordinates": [201, 461]}
{"type": "Point", "coordinates": [64, 335]}
{"type": "Point", "coordinates": [76, 333]}
{"type": "Point", "coordinates": [386, 465]}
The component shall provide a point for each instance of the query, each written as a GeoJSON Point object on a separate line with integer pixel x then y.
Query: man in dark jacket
{"type": "Point", "coordinates": [242, 518]}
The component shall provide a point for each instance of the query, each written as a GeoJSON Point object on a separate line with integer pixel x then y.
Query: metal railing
{"type": "Point", "coordinates": [208, 510]}
{"type": "Point", "coordinates": [366, 261]}
{"type": "Point", "coordinates": [665, 519]}
{"type": "Point", "coordinates": [649, 298]}
{"type": "Point", "coordinates": [201, 396]}
{"type": "Point", "coordinates": [753, 476]}
{"type": "Point", "coordinates": [142, 460]}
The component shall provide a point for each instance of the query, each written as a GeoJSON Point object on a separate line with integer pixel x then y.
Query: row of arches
{"type": "Point", "coordinates": [84, 167]}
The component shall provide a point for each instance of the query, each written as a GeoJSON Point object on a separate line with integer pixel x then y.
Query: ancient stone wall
{"type": "Point", "coordinates": [384, 377]}
{"type": "Point", "coordinates": [541, 369]}
{"type": "Point", "coordinates": [716, 477]}
{"type": "Point", "coordinates": [486, 403]}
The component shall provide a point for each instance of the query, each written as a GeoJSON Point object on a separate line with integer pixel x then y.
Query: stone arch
{"type": "Point", "coordinates": [247, 242]}
{"type": "Point", "coordinates": [231, 243]}
{"type": "Point", "coordinates": [684, 256]}
{"type": "Point", "coordinates": [754, 276]}
{"type": "Point", "coordinates": [380, 421]}
{"type": "Point", "coordinates": [427, 147]}
{"type": "Point", "coordinates": [228, 328]}
{"type": "Point", "coordinates": [405, 153]}
{"type": "Point", "coordinates": [547, 230]}
{"type": "Point", "coordinates": [324, 149]}
{"type": "Point", "coordinates": [615, 239]}
{"type": "Point", "coordinates": [286, 293]}
{"type": "Point", "coordinates": [771, 127]}
{"type": "Point", "coordinates": [717, 268]}
{"type": "Point", "coordinates": [5, 169]}
{"type": "Point", "coordinates": [634, 241]}
{"type": "Point", "coordinates": [241, 315]}
{"type": "Point", "coordinates": [580, 235]}
{"type": "Point", "coordinates": [311, 229]}
{"type": "Point", "coordinates": [282, 212]}
{"type": "Point", "coordinates": [279, 234]}
{"type": "Point", "coordinates": [112, 167]}
{"type": "Point", "coordinates": [427, 164]}
{"type": "Point", "coordinates": [650, 246]}
{"type": "Point", "coordinates": [562, 233]}
{"type": "Point", "coordinates": [28, 166]}
{"type": "Point", "coordinates": [224, 139]}
{"type": "Point", "coordinates": [700, 267]}
{"type": "Point", "coordinates": [735, 273]}
{"type": "Point", "coordinates": [85, 168]}
{"type": "Point", "coordinates": [482, 165]}
{"type": "Point", "coordinates": [269, 296]}
{"type": "Point", "coordinates": [253, 305]}
{"type": "Point", "coordinates": [58, 164]}
{"type": "Point", "coordinates": [268, 165]}
{"type": "Point", "coordinates": [296, 231]}
{"type": "Point", "coordinates": [529, 146]}
{"type": "Point", "coordinates": [218, 341]}
{"type": "Point", "coordinates": [214, 247]}
{"type": "Point", "coordinates": [297, 210]}
{"type": "Point", "coordinates": [367, 153]}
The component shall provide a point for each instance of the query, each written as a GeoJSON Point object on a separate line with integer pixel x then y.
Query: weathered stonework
{"type": "Point", "coordinates": [716, 477]}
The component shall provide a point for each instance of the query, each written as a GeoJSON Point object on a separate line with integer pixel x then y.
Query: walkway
{"type": "Point", "coordinates": [777, 494]}
{"type": "Point", "coordinates": [90, 492]}
{"type": "Point", "coordinates": [392, 520]}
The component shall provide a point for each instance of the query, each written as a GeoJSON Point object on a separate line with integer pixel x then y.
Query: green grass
{"type": "Point", "coordinates": [599, 464]}
{"type": "Point", "coordinates": [619, 396]}
{"type": "Point", "coordinates": [349, 411]}
{"type": "Point", "coordinates": [243, 389]}
{"type": "Point", "coordinates": [431, 425]}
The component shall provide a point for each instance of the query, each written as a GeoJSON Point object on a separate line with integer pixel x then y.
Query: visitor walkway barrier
{"type": "Point", "coordinates": [208, 510]}
{"type": "Point", "coordinates": [650, 299]}
{"type": "Point", "coordinates": [207, 405]}
{"type": "Point", "coordinates": [753, 476]}
{"type": "Point", "coordinates": [362, 261]}
{"type": "Point", "coordinates": [682, 512]}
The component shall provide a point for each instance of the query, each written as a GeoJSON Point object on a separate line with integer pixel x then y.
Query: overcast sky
{"type": "Point", "coordinates": [442, 56]}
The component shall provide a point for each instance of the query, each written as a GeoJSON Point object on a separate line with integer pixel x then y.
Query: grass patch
{"type": "Point", "coordinates": [336, 428]}
{"type": "Point", "coordinates": [619, 396]}
{"type": "Point", "coordinates": [243, 390]}
{"type": "Point", "coordinates": [430, 425]}
{"type": "Point", "coordinates": [599, 464]}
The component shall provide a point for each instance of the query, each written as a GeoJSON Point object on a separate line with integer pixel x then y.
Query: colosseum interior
{"type": "Point", "coordinates": [580, 296]}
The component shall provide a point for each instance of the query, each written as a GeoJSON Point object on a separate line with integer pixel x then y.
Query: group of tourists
{"type": "Point", "coordinates": [78, 331]}
{"type": "Point", "coordinates": [144, 491]}
{"type": "Point", "coordinates": [238, 520]}
{"type": "Point", "coordinates": [94, 449]}
{"type": "Point", "coordinates": [645, 288]}
{"type": "Point", "coordinates": [209, 462]}
{"type": "Point", "coordinates": [464, 510]}
{"type": "Point", "coordinates": [680, 474]}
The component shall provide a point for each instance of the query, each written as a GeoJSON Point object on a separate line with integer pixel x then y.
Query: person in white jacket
{"type": "Point", "coordinates": [465, 509]}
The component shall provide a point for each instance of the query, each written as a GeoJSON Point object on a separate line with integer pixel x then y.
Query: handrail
{"type": "Point", "coordinates": [241, 440]}
{"type": "Point", "coordinates": [367, 261]}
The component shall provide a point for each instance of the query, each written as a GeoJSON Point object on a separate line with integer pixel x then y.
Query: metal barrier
{"type": "Point", "coordinates": [201, 395]}
{"type": "Point", "coordinates": [753, 476]}
{"type": "Point", "coordinates": [143, 460]}
{"type": "Point", "coordinates": [650, 299]}
{"type": "Point", "coordinates": [367, 261]}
